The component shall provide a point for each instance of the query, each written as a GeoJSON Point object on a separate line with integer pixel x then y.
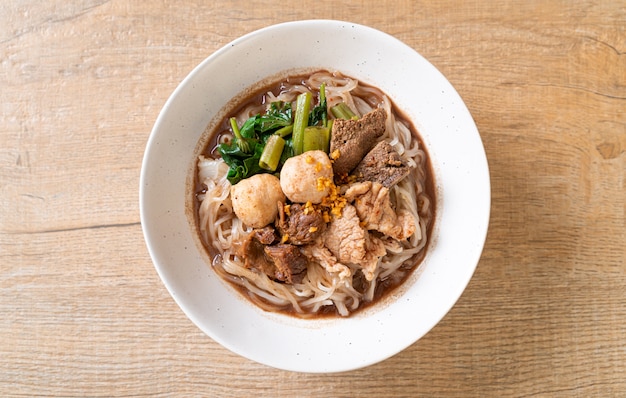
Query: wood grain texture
{"type": "Point", "coordinates": [85, 314]}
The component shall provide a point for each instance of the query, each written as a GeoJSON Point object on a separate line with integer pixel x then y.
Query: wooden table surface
{"type": "Point", "coordinates": [84, 312]}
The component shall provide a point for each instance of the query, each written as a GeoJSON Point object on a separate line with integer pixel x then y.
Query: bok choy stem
{"type": "Point", "coordinates": [301, 119]}
{"type": "Point", "coordinates": [284, 131]}
{"type": "Point", "coordinates": [272, 152]}
{"type": "Point", "coordinates": [316, 138]}
{"type": "Point", "coordinates": [343, 111]}
{"type": "Point", "coordinates": [243, 145]}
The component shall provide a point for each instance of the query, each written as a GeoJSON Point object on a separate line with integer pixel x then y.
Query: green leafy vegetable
{"type": "Point", "coordinates": [284, 131]}
{"type": "Point", "coordinates": [243, 154]}
{"type": "Point", "coordinates": [241, 165]}
{"type": "Point", "coordinates": [265, 141]}
{"type": "Point", "coordinates": [319, 114]}
{"type": "Point", "coordinates": [279, 115]}
{"type": "Point", "coordinates": [343, 111]}
{"type": "Point", "coordinates": [300, 121]}
{"type": "Point", "coordinates": [287, 151]}
{"type": "Point", "coordinates": [316, 138]}
{"type": "Point", "coordinates": [272, 152]}
{"type": "Point", "coordinates": [242, 143]}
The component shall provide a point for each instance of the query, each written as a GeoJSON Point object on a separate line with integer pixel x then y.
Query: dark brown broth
{"type": "Point", "coordinates": [384, 287]}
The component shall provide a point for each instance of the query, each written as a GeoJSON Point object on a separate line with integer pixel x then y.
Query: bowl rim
{"type": "Point", "coordinates": [182, 296]}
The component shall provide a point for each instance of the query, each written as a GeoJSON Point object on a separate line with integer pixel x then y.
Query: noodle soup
{"type": "Point", "coordinates": [364, 226]}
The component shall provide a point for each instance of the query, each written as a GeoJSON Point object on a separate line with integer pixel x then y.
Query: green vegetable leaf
{"type": "Point", "coordinates": [287, 151]}
{"type": "Point", "coordinates": [278, 115]}
{"type": "Point", "coordinates": [280, 109]}
{"type": "Point", "coordinates": [241, 165]}
{"type": "Point", "coordinates": [248, 128]}
{"type": "Point", "coordinates": [319, 114]}
{"type": "Point", "coordinates": [243, 153]}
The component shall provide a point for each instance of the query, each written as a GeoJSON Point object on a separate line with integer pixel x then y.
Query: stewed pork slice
{"type": "Point", "coordinates": [345, 238]}
{"type": "Point", "coordinates": [317, 252]}
{"type": "Point", "coordinates": [352, 139]}
{"type": "Point", "coordinates": [352, 244]}
{"type": "Point", "coordinates": [290, 264]}
{"type": "Point", "coordinates": [299, 224]}
{"type": "Point", "coordinates": [281, 262]}
{"type": "Point", "coordinates": [374, 250]}
{"type": "Point", "coordinates": [382, 164]}
{"type": "Point", "coordinates": [373, 206]}
{"type": "Point", "coordinates": [252, 250]}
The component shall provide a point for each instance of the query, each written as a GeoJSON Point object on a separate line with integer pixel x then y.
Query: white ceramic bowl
{"type": "Point", "coordinates": [458, 160]}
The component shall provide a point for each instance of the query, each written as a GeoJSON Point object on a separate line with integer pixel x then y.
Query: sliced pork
{"type": "Point", "coordinates": [373, 206]}
{"type": "Point", "coordinates": [350, 243]}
